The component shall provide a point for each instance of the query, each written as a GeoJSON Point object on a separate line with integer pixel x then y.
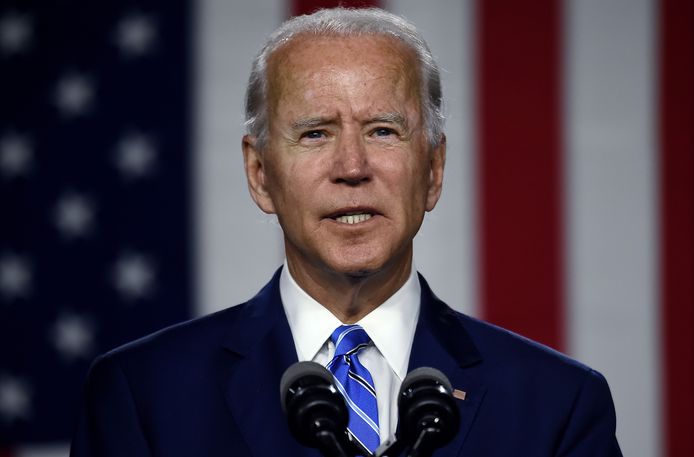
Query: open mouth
{"type": "Point", "coordinates": [352, 218]}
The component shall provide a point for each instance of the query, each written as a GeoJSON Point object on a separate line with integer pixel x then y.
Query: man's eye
{"type": "Point", "coordinates": [383, 132]}
{"type": "Point", "coordinates": [313, 135]}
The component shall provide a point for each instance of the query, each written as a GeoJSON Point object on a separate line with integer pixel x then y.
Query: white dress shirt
{"type": "Point", "coordinates": [391, 327]}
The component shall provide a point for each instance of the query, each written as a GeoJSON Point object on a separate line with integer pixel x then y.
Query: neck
{"type": "Point", "coordinates": [350, 297]}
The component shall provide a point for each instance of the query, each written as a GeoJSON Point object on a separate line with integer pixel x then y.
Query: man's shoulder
{"type": "Point", "coordinates": [497, 348]}
{"type": "Point", "coordinates": [509, 355]}
{"type": "Point", "coordinates": [569, 403]}
{"type": "Point", "coordinates": [192, 339]}
{"type": "Point", "coordinates": [184, 341]}
{"type": "Point", "coordinates": [511, 363]}
{"type": "Point", "coordinates": [495, 341]}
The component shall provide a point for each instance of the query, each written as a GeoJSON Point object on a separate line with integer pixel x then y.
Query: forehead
{"type": "Point", "coordinates": [311, 64]}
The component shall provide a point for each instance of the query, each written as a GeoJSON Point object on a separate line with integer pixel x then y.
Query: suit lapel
{"type": "Point", "coordinates": [442, 342]}
{"type": "Point", "coordinates": [260, 347]}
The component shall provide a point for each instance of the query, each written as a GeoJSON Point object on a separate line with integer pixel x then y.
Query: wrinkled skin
{"type": "Point", "coordinates": [346, 136]}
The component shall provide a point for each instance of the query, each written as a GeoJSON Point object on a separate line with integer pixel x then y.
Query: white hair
{"type": "Point", "coordinates": [347, 22]}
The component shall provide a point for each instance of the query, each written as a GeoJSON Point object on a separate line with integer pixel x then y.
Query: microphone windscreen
{"type": "Point", "coordinates": [429, 374]}
{"type": "Point", "coordinates": [303, 371]}
{"type": "Point", "coordinates": [428, 414]}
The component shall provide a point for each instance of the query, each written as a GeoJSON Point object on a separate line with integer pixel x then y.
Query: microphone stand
{"type": "Point", "coordinates": [390, 448]}
{"type": "Point", "coordinates": [356, 447]}
{"type": "Point", "coordinates": [421, 448]}
{"type": "Point", "coordinates": [329, 445]}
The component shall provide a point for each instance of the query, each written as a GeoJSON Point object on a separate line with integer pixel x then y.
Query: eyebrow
{"type": "Point", "coordinates": [312, 122]}
{"type": "Point", "coordinates": [390, 118]}
{"type": "Point", "coordinates": [309, 122]}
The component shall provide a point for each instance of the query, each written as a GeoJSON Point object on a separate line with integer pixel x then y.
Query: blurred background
{"type": "Point", "coordinates": [567, 213]}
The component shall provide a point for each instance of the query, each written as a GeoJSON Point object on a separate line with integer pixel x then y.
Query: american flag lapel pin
{"type": "Point", "coordinates": [459, 394]}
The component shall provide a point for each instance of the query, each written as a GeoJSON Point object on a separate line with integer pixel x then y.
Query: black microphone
{"type": "Point", "coordinates": [315, 410]}
{"type": "Point", "coordinates": [428, 415]}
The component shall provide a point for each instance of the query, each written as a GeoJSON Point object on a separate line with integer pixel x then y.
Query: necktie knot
{"type": "Point", "coordinates": [349, 339]}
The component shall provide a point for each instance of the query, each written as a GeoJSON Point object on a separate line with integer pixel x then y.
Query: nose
{"type": "Point", "coordinates": [351, 161]}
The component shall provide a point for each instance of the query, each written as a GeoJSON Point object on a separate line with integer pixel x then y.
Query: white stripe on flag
{"type": "Point", "coordinates": [611, 167]}
{"type": "Point", "coordinates": [445, 246]}
{"type": "Point", "coordinates": [237, 247]}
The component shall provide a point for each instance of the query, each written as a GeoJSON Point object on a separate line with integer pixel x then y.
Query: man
{"type": "Point", "coordinates": [345, 146]}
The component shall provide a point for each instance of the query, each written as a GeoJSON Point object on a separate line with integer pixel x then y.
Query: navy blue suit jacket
{"type": "Point", "coordinates": [210, 387]}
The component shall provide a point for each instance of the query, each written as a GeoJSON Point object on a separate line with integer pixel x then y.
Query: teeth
{"type": "Point", "coordinates": [353, 218]}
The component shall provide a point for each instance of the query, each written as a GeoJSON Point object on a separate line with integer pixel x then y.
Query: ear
{"type": "Point", "coordinates": [436, 166]}
{"type": "Point", "coordinates": [254, 165]}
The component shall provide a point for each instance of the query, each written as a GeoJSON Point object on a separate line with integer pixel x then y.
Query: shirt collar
{"type": "Point", "coordinates": [391, 326]}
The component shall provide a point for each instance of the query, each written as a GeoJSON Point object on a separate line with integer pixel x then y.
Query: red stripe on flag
{"type": "Point", "coordinates": [309, 6]}
{"type": "Point", "coordinates": [520, 166]}
{"type": "Point", "coordinates": [677, 231]}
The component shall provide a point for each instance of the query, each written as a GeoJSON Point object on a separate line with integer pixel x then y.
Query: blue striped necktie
{"type": "Point", "coordinates": [355, 383]}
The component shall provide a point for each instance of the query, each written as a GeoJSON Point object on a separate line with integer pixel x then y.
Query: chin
{"type": "Point", "coordinates": [359, 274]}
{"type": "Point", "coordinates": [355, 270]}
{"type": "Point", "coordinates": [357, 266]}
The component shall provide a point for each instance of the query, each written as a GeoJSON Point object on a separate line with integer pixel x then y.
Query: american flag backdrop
{"type": "Point", "coordinates": [94, 178]}
{"type": "Point", "coordinates": [567, 213]}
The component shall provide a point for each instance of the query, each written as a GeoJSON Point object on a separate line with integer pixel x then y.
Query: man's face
{"type": "Point", "coordinates": [347, 168]}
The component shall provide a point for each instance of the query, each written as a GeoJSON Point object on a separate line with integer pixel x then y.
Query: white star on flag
{"type": "Point", "coordinates": [74, 215]}
{"type": "Point", "coordinates": [16, 155]}
{"type": "Point", "coordinates": [136, 35]}
{"type": "Point", "coordinates": [133, 276]}
{"type": "Point", "coordinates": [73, 337]}
{"type": "Point", "coordinates": [15, 399]}
{"type": "Point", "coordinates": [135, 155]}
{"type": "Point", "coordinates": [15, 33]}
{"type": "Point", "coordinates": [74, 95]}
{"type": "Point", "coordinates": [15, 277]}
